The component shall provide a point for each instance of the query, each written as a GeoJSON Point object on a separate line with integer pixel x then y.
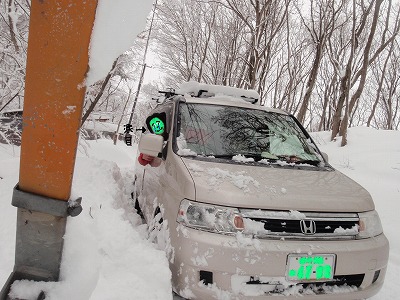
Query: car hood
{"type": "Point", "coordinates": [276, 188]}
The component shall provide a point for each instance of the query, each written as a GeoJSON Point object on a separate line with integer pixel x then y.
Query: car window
{"type": "Point", "coordinates": [226, 131]}
{"type": "Point", "coordinates": [160, 119]}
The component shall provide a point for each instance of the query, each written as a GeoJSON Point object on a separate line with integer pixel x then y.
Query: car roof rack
{"type": "Point", "coordinates": [199, 90]}
{"type": "Point", "coordinates": [170, 92]}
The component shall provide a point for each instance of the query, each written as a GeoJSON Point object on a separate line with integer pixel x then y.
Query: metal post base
{"type": "Point", "coordinates": [41, 224]}
{"type": "Point", "coordinates": [18, 276]}
{"type": "Point", "coordinates": [39, 244]}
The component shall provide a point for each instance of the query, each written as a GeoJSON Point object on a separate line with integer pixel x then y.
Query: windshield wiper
{"type": "Point", "coordinates": [293, 159]}
{"type": "Point", "coordinates": [259, 156]}
{"type": "Point", "coordinates": [310, 162]}
{"type": "Point", "coordinates": [256, 156]}
{"type": "Point", "coordinates": [220, 155]}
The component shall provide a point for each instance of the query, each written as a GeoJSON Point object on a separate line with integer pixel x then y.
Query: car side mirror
{"type": "Point", "coordinates": [325, 156]}
{"type": "Point", "coordinates": [151, 144]}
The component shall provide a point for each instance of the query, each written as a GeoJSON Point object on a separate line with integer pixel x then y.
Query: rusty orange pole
{"type": "Point", "coordinates": [57, 64]}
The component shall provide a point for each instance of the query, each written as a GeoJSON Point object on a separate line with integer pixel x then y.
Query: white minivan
{"type": "Point", "coordinates": [247, 207]}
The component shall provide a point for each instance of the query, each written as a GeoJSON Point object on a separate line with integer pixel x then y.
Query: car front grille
{"type": "Point", "coordinates": [308, 225]}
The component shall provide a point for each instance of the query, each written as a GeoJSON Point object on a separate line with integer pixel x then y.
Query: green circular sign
{"type": "Point", "coordinates": [157, 125]}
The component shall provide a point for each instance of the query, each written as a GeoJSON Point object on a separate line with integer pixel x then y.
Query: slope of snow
{"type": "Point", "coordinates": [106, 253]}
{"type": "Point", "coordinates": [372, 158]}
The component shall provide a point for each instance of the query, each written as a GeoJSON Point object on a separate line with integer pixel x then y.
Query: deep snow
{"type": "Point", "coordinates": [106, 253]}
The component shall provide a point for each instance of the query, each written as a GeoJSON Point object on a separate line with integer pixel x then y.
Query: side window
{"type": "Point", "coordinates": [159, 120]}
{"type": "Point", "coordinates": [156, 123]}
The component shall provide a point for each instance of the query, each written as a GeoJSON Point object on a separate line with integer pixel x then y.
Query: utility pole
{"type": "Point", "coordinates": [57, 63]}
{"type": "Point", "coordinates": [144, 64]}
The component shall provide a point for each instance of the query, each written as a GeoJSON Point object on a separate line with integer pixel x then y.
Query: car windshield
{"type": "Point", "coordinates": [242, 134]}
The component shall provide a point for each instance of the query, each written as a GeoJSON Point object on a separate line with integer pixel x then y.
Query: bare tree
{"type": "Point", "coordinates": [334, 64]}
{"type": "Point", "coordinates": [381, 77]}
{"type": "Point", "coordinates": [99, 94]}
{"type": "Point", "coordinates": [358, 76]}
{"type": "Point", "coordinates": [323, 17]}
{"type": "Point", "coordinates": [389, 100]}
{"type": "Point", "coordinates": [14, 21]}
{"type": "Point", "coordinates": [178, 29]}
{"type": "Point", "coordinates": [263, 21]}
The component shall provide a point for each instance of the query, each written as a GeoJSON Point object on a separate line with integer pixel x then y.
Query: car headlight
{"type": "Point", "coordinates": [370, 225]}
{"type": "Point", "coordinates": [208, 217]}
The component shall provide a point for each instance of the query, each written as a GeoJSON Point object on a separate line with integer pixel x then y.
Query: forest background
{"type": "Point", "coordinates": [332, 64]}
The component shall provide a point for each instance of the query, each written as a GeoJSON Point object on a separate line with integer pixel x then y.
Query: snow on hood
{"type": "Point", "coordinates": [264, 187]}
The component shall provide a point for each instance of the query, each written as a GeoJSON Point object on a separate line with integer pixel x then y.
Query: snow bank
{"type": "Point", "coordinates": [9, 171]}
{"type": "Point", "coordinates": [106, 255]}
{"type": "Point", "coordinates": [372, 158]}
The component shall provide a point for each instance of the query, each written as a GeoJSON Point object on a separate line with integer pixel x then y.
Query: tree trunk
{"type": "Point", "coordinates": [311, 81]}
{"type": "Point", "coordinates": [380, 84]}
{"type": "Point", "coordinates": [115, 137]}
{"type": "Point", "coordinates": [100, 94]}
{"type": "Point", "coordinates": [357, 94]}
{"type": "Point", "coordinates": [12, 26]}
{"type": "Point", "coordinates": [344, 88]}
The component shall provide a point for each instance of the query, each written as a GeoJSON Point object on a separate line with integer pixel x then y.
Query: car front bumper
{"type": "Point", "coordinates": [209, 265]}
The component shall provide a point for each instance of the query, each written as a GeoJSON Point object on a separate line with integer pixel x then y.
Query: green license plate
{"type": "Point", "coordinates": [303, 268]}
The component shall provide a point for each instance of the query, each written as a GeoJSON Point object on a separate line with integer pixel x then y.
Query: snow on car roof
{"type": "Point", "coordinates": [208, 90]}
{"type": "Point", "coordinates": [232, 101]}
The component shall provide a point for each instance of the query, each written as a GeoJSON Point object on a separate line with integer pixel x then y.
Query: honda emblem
{"type": "Point", "coordinates": [308, 227]}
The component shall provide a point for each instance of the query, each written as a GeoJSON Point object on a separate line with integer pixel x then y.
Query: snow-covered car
{"type": "Point", "coordinates": [247, 207]}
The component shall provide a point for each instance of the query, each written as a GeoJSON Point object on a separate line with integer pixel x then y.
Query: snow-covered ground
{"type": "Point", "coordinates": [106, 254]}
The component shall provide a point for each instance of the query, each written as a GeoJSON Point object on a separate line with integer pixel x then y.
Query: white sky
{"type": "Point", "coordinates": [117, 24]}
